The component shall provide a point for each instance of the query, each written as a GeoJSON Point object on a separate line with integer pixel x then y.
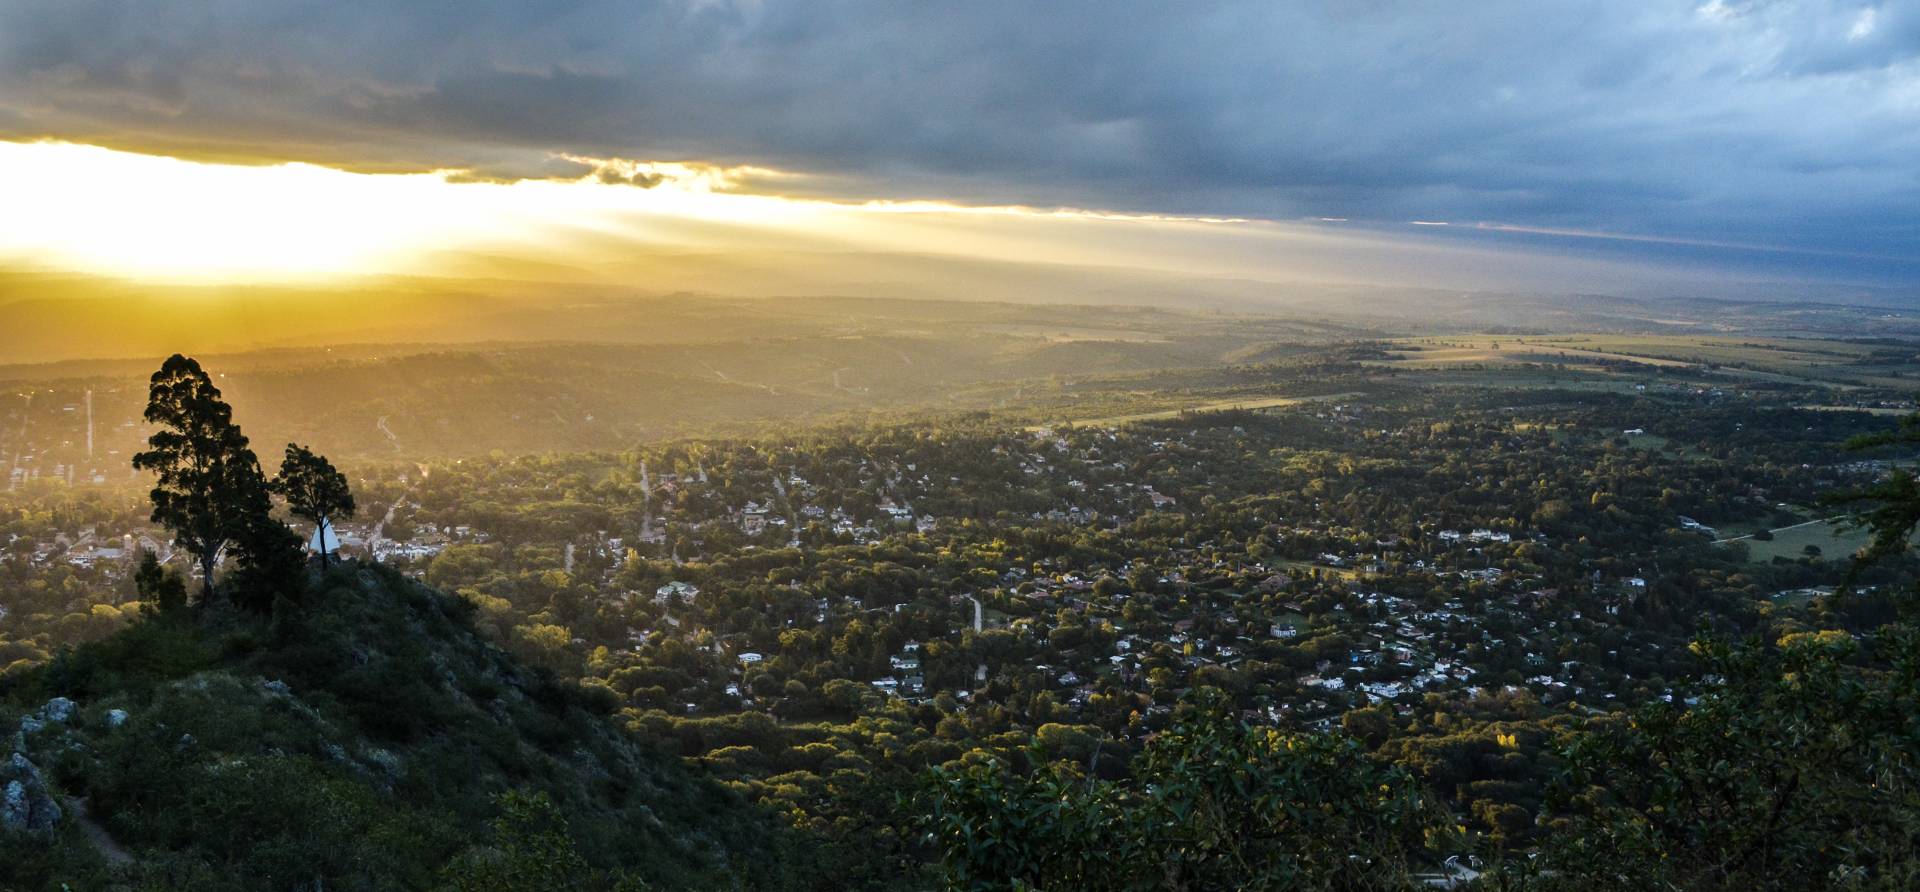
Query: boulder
{"type": "Point", "coordinates": [27, 805]}
{"type": "Point", "coordinates": [116, 718]}
{"type": "Point", "coordinates": [59, 709]}
{"type": "Point", "coordinates": [29, 726]}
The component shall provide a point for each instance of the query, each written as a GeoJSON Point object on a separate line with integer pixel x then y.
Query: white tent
{"type": "Point", "coordinates": [324, 541]}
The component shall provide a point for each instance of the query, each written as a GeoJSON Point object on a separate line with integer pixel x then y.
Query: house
{"type": "Point", "coordinates": [685, 590]}
{"type": "Point", "coordinates": [897, 513]}
{"type": "Point", "coordinates": [1688, 523]}
{"type": "Point", "coordinates": [749, 658]}
{"type": "Point", "coordinates": [1276, 582]}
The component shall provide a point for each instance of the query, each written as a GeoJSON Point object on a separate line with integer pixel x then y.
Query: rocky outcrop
{"type": "Point", "coordinates": [28, 804]}
{"type": "Point", "coordinates": [57, 710]}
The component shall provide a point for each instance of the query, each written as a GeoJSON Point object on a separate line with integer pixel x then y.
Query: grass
{"type": "Point", "coordinates": [1870, 410]}
{"type": "Point", "coordinates": [1836, 364]}
{"type": "Point", "coordinates": [1306, 569]}
{"type": "Point", "coordinates": [1791, 542]}
{"type": "Point", "coordinates": [1249, 403]}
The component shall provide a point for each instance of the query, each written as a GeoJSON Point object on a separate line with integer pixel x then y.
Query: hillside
{"type": "Point", "coordinates": [364, 741]}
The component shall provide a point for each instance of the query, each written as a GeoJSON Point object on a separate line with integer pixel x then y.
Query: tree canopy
{"type": "Point", "coordinates": [211, 492]}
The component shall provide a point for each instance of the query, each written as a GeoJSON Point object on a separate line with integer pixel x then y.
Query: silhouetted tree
{"type": "Point", "coordinates": [270, 558]}
{"type": "Point", "coordinates": [314, 490]}
{"type": "Point", "coordinates": [159, 587]}
{"type": "Point", "coordinates": [209, 481]}
{"type": "Point", "coordinates": [211, 492]}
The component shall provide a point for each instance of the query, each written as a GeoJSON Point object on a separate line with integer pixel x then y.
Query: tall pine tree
{"type": "Point", "coordinates": [210, 491]}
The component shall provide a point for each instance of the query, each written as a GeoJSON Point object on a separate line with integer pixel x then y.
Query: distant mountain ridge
{"type": "Point", "coordinates": [50, 318]}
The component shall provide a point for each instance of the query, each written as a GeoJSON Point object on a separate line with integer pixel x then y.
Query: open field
{"type": "Point", "coordinates": [1243, 404]}
{"type": "Point", "coordinates": [1870, 410]}
{"type": "Point", "coordinates": [1791, 541]}
{"type": "Point", "coordinates": [1833, 363]}
{"type": "Point", "coordinates": [1309, 568]}
{"type": "Point", "coordinates": [1508, 351]}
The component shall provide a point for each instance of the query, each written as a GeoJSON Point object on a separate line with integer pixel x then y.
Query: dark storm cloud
{"type": "Point", "coordinates": [1789, 123]}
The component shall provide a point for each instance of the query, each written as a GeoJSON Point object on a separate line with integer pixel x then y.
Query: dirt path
{"type": "Point", "coordinates": [97, 836]}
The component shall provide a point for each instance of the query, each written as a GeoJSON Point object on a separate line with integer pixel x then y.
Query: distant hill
{"type": "Point", "coordinates": [364, 742]}
{"type": "Point", "coordinates": [53, 317]}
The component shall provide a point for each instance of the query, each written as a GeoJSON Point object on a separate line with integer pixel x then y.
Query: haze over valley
{"type": "Point", "coordinates": [615, 446]}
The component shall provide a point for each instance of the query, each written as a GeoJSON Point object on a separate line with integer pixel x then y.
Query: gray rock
{"type": "Point", "coordinates": [387, 762]}
{"type": "Point", "coordinates": [16, 811]}
{"type": "Point", "coordinates": [27, 804]}
{"type": "Point", "coordinates": [29, 726]}
{"type": "Point", "coordinates": [276, 686]}
{"type": "Point", "coordinates": [116, 718]}
{"type": "Point", "coordinates": [59, 709]}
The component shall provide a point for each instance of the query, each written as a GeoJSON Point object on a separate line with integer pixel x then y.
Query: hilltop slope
{"type": "Point", "coordinates": [361, 742]}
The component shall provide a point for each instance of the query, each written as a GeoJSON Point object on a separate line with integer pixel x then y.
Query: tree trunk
{"type": "Point", "coordinates": [206, 575]}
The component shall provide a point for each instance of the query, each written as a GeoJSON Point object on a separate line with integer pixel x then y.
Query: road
{"type": "Point", "coordinates": [836, 382]}
{"type": "Point", "coordinates": [381, 423]}
{"type": "Point", "coordinates": [646, 503]}
{"type": "Point", "coordinates": [980, 673]}
{"type": "Point", "coordinates": [26, 414]}
{"type": "Point", "coordinates": [373, 538]}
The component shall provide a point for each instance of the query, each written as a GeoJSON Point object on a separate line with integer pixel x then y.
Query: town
{"type": "Point", "coordinates": [1322, 563]}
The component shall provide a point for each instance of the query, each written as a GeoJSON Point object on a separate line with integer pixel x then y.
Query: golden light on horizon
{"type": "Point", "coordinates": [119, 213]}
{"type": "Point", "coordinates": [89, 209]}
{"type": "Point", "coordinates": [651, 225]}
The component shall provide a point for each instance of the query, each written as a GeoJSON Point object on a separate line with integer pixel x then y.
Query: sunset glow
{"type": "Point", "coordinates": [185, 220]}
{"type": "Point", "coordinates": [90, 209]}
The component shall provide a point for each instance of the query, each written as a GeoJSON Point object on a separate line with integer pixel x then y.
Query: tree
{"type": "Point", "coordinates": [210, 485]}
{"type": "Point", "coordinates": [271, 565]}
{"type": "Point", "coordinates": [314, 490]}
{"type": "Point", "coordinates": [1212, 804]}
{"type": "Point", "coordinates": [159, 588]}
{"type": "Point", "coordinates": [1797, 768]}
{"type": "Point", "coordinates": [1797, 771]}
{"type": "Point", "coordinates": [533, 849]}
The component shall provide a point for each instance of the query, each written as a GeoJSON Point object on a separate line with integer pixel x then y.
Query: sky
{"type": "Point", "coordinates": [1585, 145]}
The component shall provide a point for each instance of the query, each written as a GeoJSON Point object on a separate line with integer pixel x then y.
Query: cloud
{"type": "Point", "coordinates": [1743, 120]}
{"type": "Point", "coordinates": [643, 179]}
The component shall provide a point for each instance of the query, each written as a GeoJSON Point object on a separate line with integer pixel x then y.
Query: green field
{"type": "Point", "coordinates": [1242, 404]}
{"type": "Point", "coordinates": [1833, 363]}
{"type": "Point", "coordinates": [1791, 542]}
